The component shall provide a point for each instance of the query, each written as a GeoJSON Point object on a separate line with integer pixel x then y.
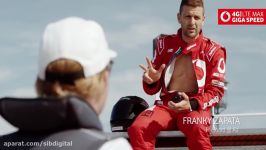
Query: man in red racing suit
{"type": "Point", "coordinates": [186, 65]}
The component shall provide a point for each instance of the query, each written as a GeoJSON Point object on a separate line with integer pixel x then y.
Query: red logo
{"type": "Point", "coordinates": [201, 69]}
{"type": "Point", "coordinates": [221, 66]}
{"type": "Point", "coordinates": [225, 16]}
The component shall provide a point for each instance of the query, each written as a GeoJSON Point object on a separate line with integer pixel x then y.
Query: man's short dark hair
{"type": "Point", "coordinates": [192, 3]}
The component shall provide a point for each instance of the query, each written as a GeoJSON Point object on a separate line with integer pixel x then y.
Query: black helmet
{"type": "Point", "coordinates": [125, 112]}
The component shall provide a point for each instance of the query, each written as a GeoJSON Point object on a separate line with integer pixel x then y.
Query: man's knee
{"type": "Point", "coordinates": [137, 128]}
{"type": "Point", "coordinates": [144, 129]}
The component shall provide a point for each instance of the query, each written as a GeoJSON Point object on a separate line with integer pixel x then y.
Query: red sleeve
{"type": "Point", "coordinates": [158, 46]}
{"type": "Point", "coordinates": [215, 81]}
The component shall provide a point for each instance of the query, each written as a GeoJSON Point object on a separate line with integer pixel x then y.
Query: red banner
{"type": "Point", "coordinates": [242, 16]}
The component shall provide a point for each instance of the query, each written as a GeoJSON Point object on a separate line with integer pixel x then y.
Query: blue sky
{"type": "Point", "coordinates": [130, 27]}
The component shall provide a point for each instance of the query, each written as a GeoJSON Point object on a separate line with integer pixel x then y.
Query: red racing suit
{"type": "Point", "coordinates": [208, 60]}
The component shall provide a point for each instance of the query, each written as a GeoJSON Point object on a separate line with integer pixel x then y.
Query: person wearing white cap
{"type": "Point", "coordinates": [74, 59]}
{"type": "Point", "coordinates": [72, 83]}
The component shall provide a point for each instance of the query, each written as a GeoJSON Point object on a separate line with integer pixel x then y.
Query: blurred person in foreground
{"type": "Point", "coordinates": [189, 71]}
{"type": "Point", "coordinates": [74, 64]}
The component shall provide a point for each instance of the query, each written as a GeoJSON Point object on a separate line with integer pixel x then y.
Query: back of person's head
{"type": "Point", "coordinates": [191, 3]}
{"type": "Point", "coordinates": [74, 59]}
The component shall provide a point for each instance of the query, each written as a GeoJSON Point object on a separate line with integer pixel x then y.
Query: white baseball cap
{"type": "Point", "coordinates": [77, 39]}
